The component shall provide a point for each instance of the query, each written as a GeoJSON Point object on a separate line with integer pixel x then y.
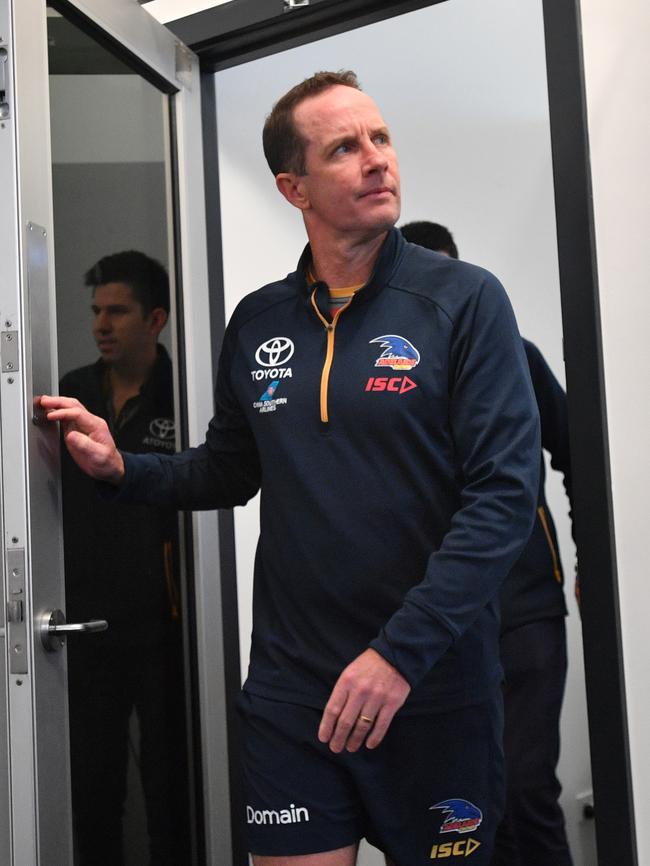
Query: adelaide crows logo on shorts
{"type": "Point", "coordinates": [398, 354]}
{"type": "Point", "coordinates": [461, 816]}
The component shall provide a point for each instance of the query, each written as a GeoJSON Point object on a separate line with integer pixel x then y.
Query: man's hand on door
{"type": "Point", "coordinates": [87, 438]}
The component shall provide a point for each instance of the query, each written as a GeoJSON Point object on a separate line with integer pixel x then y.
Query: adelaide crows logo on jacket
{"type": "Point", "coordinates": [398, 354]}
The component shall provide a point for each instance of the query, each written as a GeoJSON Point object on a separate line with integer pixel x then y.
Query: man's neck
{"type": "Point", "coordinates": [342, 262]}
{"type": "Point", "coordinates": [131, 376]}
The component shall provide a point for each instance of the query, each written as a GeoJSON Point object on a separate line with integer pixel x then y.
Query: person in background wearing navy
{"type": "Point", "coordinates": [120, 565]}
{"type": "Point", "coordinates": [533, 638]}
{"type": "Point", "coordinates": [379, 396]}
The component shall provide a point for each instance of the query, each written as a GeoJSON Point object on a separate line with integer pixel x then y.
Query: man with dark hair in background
{"type": "Point", "coordinates": [379, 397]}
{"type": "Point", "coordinates": [431, 236]}
{"type": "Point", "coordinates": [533, 638]}
{"type": "Point", "coordinates": [121, 565]}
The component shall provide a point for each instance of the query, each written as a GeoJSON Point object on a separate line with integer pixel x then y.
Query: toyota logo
{"type": "Point", "coordinates": [274, 352]}
{"type": "Point", "coordinates": [162, 428]}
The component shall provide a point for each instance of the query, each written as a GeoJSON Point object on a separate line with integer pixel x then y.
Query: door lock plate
{"type": "Point", "coordinates": [16, 625]}
{"type": "Point", "coordinates": [9, 351]}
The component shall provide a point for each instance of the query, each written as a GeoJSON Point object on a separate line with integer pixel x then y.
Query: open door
{"type": "Point", "coordinates": [76, 77]}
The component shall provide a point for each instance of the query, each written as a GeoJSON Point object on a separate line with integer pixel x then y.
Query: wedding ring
{"type": "Point", "coordinates": [366, 719]}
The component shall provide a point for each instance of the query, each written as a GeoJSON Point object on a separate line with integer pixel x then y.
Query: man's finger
{"type": "Point", "coordinates": [379, 729]}
{"type": "Point", "coordinates": [72, 413]}
{"type": "Point", "coordinates": [362, 728]}
{"type": "Point", "coordinates": [339, 718]}
{"type": "Point", "coordinates": [345, 725]}
{"type": "Point", "coordinates": [331, 713]}
{"type": "Point", "coordinates": [49, 402]}
{"type": "Point", "coordinates": [76, 440]}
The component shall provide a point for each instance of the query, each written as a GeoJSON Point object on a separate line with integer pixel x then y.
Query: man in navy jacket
{"type": "Point", "coordinates": [379, 396]}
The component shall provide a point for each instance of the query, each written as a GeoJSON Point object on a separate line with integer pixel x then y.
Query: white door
{"type": "Point", "coordinates": [100, 150]}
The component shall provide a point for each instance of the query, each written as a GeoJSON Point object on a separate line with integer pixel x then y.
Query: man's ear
{"type": "Point", "coordinates": [293, 189]}
{"type": "Point", "coordinates": [158, 319]}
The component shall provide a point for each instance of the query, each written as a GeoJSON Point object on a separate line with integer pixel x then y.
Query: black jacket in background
{"type": "Point", "coordinates": [119, 559]}
{"type": "Point", "coordinates": [534, 588]}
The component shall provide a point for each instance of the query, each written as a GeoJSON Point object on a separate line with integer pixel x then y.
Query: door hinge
{"type": "Point", "coordinates": [5, 111]}
{"type": "Point", "coordinates": [184, 59]}
{"type": "Point", "coordinates": [16, 625]}
{"type": "Point", "coordinates": [9, 351]}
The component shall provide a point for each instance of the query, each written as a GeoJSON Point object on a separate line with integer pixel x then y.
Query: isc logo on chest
{"type": "Point", "coordinates": [394, 384]}
{"type": "Point", "coordinates": [461, 848]}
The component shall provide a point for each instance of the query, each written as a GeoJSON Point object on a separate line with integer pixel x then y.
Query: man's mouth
{"type": "Point", "coordinates": [378, 191]}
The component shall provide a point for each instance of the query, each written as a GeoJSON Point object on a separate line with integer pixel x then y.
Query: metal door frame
{"type": "Point", "coordinates": [153, 51]}
{"type": "Point", "coordinates": [244, 30]}
{"type": "Point", "coordinates": [27, 207]}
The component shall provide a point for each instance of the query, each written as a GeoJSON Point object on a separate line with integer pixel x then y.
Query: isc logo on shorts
{"type": "Point", "coordinates": [461, 848]}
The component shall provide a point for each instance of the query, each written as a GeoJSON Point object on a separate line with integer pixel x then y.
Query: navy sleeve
{"type": "Point", "coordinates": [222, 472]}
{"type": "Point", "coordinates": [553, 414]}
{"type": "Point", "coordinates": [495, 426]}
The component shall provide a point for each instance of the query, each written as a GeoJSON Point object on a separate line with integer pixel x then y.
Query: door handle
{"type": "Point", "coordinates": [54, 629]}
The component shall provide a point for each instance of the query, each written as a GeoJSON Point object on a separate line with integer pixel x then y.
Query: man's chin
{"type": "Point", "coordinates": [108, 355]}
{"type": "Point", "coordinates": [384, 217]}
{"type": "Point", "coordinates": [382, 223]}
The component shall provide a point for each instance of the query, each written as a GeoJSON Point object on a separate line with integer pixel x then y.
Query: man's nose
{"type": "Point", "coordinates": [376, 158]}
{"type": "Point", "coordinates": [102, 322]}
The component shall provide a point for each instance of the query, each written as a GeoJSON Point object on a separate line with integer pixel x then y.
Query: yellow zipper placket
{"type": "Point", "coordinates": [556, 568]}
{"type": "Point", "coordinates": [330, 327]}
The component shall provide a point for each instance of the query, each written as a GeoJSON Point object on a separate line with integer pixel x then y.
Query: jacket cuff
{"type": "Point", "coordinates": [121, 492]}
{"type": "Point", "coordinates": [412, 642]}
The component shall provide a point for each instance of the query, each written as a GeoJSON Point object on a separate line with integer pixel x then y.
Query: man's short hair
{"type": "Point", "coordinates": [433, 236]}
{"type": "Point", "coordinates": [284, 148]}
{"type": "Point", "coordinates": [147, 278]}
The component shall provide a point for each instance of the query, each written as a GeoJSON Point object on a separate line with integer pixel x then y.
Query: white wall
{"type": "Point", "coordinates": [617, 75]}
{"type": "Point", "coordinates": [109, 149]}
{"type": "Point", "coordinates": [463, 87]}
{"type": "Point", "coordinates": [122, 119]}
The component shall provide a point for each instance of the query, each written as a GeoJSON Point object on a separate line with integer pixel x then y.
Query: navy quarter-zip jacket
{"type": "Point", "coordinates": [397, 452]}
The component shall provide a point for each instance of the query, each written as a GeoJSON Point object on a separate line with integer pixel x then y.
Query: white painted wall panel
{"type": "Point", "coordinates": [617, 75]}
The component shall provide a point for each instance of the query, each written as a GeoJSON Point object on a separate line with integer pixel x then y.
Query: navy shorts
{"type": "Point", "coordinates": [433, 790]}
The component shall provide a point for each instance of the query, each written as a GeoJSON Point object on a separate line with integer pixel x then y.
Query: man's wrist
{"type": "Point", "coordinates": [117, 476]}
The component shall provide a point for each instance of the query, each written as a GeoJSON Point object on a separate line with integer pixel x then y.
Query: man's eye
{"type": "Point", "coordinates": [381, 138]}
{"type": "Point", "coordinates": [343, 148]}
